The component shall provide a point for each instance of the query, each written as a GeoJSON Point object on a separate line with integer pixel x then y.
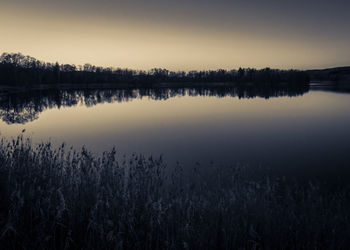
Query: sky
{"type": "Point", "coordinates": [181, 34]}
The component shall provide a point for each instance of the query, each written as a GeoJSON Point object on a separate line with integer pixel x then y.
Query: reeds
{"type": "Point", "coordinates": [62, 199]}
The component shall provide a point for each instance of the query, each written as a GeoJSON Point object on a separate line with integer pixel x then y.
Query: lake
{"type": "Point", "coordinates": [305, 127]}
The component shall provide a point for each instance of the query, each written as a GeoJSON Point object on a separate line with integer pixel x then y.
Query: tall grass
{"type": "Point", "coordinates": [63, 199]}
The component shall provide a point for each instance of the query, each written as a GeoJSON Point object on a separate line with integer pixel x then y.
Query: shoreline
{"type": "Point", "coordinates": [67, 86]}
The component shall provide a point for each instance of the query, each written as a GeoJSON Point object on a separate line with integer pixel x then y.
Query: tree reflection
{"type": "Point", "coordinates": [24, 107]}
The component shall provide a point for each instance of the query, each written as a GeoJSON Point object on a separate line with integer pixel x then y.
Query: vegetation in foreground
{"type": "Point", "coordinates": [62, 199]}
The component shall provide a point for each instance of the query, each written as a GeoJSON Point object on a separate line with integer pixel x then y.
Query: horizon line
{"type": "Point", "coordinates": [187, 71]}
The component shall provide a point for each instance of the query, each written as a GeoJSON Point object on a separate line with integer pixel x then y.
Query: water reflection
{"type": "Point", "coordinates": [24, 107]}
{"type": "Point", "coordinates": [189, 125]}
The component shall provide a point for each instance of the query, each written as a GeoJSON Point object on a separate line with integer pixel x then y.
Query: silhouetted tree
{"type": "Point", "coordinates": [17, 69]}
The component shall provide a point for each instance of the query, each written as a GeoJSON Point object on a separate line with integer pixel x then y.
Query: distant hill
{"type": "Point", "coordinates": [339, 75]}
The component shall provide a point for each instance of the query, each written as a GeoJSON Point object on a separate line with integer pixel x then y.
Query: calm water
{"type": "Point", "coordinates": [277, 128]}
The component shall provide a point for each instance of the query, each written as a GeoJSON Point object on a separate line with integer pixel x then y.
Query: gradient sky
{"type": "Point", "coordinates": [182, 34]}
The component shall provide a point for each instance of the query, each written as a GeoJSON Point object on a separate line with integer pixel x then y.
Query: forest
{"type": "Point", "coordinates": [17, 69]}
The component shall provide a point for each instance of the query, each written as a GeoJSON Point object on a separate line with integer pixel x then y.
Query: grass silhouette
{"type": "Point", "coordinates": [62, 199]}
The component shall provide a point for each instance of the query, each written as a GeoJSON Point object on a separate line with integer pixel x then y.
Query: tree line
{"type": "Point", "coordinates": [17, 69]}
